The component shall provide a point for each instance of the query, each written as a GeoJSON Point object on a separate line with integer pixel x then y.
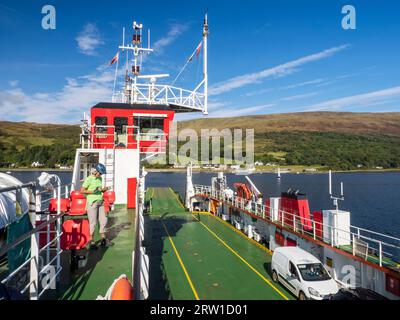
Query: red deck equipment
{"type": "Point", "coordinates": [243, 191]}
{"type": "Point", "coordinates": [296, 204]}
{"type": "Point", "coordinates": [132, 185]}
{"type": "Point", "coordinates": [65, 204]}
{"type": "Point", "coordinates": [78, 204]}
{"type": "Point", "coordinates": [75, 234]}
{"type": "Point", "coordinates": [318, 219]}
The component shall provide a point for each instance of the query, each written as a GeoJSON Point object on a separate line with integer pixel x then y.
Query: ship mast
{"type": "Point", "coordinates": [148, 91]}
{"type": "Point", "coordinates": [205, 73]}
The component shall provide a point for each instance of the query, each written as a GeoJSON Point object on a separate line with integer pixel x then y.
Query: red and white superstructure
{"type": "Point", "coordinates": [135, 125]}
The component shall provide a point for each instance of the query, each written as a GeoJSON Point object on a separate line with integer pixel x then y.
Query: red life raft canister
{"type": "Point", "coordinates": [64, 205]}
{"type": "Point", "coordinates": [109, 195]}
{"type": "Point", "coordinates": [78, 203]}
{"type": "Point", "coordinates": [75, 234]}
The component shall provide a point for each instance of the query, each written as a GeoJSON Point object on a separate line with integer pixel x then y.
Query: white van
{"type": "Point", "coordinates": [302, 273]}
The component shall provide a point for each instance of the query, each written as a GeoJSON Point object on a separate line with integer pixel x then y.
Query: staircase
{"type": "Point", "coordinates": [109, 162]}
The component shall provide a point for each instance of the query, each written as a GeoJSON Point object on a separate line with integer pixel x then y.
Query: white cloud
{"type": "Point", "coordinates": [278, 71]}
{"type": "Point", "coordinates": [299, 96]}
{"type": "Point", "coordinates": [174, 32]}
{"type": "Point", "coordinates": [302, 84]}
{"type": "Point", "coordinates": [360, 100]}
{"type": "Point", "coordinates": [89, 39]}
{"type": "Point", "coordinates": [13, 83]}
{"type": "Point", "coordinates": [63, 106]}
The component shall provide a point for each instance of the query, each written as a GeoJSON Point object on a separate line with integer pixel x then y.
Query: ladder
{"type": "Point", "coordinates": [109, 163]}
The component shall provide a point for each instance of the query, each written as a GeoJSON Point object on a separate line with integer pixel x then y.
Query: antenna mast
{"type": "Point", "coordinates": [205, 35]}
{"type": "Point", "coordinates": [333, 197]}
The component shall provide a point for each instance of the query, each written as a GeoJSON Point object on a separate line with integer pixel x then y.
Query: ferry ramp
{"type": "Point", "coordinates": [198, 256]}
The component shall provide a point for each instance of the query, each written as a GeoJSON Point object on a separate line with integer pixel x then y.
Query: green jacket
{"type": "Point", "coordinates": [92, 183]}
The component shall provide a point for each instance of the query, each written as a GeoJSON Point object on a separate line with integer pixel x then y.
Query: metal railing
{"type": "Point", "coordinates": [161, 94]}
{"type": "Point", "coordinates": [97, 136]}
{"type": "Point", "coordinates": [43, 267]}
{"type": "Point", "coordinates": [140, 266]}
{"type": "Point", "coordinates": [363, 242]}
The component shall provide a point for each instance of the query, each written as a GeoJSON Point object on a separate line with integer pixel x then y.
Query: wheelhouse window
{"type": "Point", "coordinates": [151, 128]}
{"type": "Point", "coordinates": [101, 124]}
{"type": "Point", "coordinates": [120, 124]}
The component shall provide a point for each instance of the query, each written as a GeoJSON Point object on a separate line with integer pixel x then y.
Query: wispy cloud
{"type": "Point", "coordinates": [174, 32]}
{"type": "Point", "coordinates": [278, 71]}
{"type": "Point", "coordinates": [361, 100]}
{"type": "Point", "coordinates": [299, 96]}
{"type": "Point", "coordinates": [63, 106]}
{"type": "Point", "coordinates": [240, 111]}
{"type": "Point", "coordinates": [89, 39]}
{"type": "Point", "coordinates": [302, 84]}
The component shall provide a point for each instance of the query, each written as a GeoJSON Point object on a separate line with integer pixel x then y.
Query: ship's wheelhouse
{"type": "Point", "coordinates": [118, 125]}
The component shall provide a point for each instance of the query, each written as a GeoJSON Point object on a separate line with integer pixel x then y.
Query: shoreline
{"type": "Point", "coordinates": [259, 171]}
{"type": "Point", "coordinates": [183, 170]}
{"type": "Point", "coordinates": [34, 169]}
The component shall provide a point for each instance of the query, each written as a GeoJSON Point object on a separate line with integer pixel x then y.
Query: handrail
{"type": "Point", "coordinates": [36, 269]}
{"type": "Point", "coordinates": [161, 94]}
{"type": "Point", "coordinates": [261, 210]}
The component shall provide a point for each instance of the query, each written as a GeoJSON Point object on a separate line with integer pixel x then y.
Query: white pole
{"type": "Point", "coordinates": [34, 264]}
{"type": "Point", "coordinates": [205, 34]}
{"type": "Point", "coordinates": [330, 182]}
{"type": "Point", "coordinates": [58, 233]}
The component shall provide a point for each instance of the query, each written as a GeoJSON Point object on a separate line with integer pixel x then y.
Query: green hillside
{"type": "Point", "coordinates": [331, 139]}
{"type": "Point", "coordinates": [22, 143]}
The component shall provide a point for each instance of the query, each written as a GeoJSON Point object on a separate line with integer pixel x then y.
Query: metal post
{"type": "Point", "coordinates": [294, 223]}
{"type": "Point", "coordinates": [205, 34]}
{"type": "Point", "coordinates": [354, 248]}
{"type": "Point", "coordinates": [283, 217]}
{"type": "Point", "coordinates": [58, 225]}
{"type": "Point", "coordinates": [34, 264]}
{"type": "Point", "coordinates": [380, 253]}
{"type": "Point", "coordinates": [314, 231]}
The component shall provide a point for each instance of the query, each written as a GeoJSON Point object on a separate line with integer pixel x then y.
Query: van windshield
{"type": "Point", "coordinates": [313, 272]}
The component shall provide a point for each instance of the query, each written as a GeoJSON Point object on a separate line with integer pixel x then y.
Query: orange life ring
{"type": "Point", "coordinates": [122, 290]}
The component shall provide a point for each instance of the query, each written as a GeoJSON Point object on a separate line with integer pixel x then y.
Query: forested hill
{"type": "Point", "coordinates": [332, 139]}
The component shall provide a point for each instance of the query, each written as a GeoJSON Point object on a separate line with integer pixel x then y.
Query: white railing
{"type": "Point", "coordinates": [162, 95]}
{"type": "Point", "coordinates": [44, 262]}
{"type": "Point", "coordinates": [373, 244]}
{"type": "Point", "coordinates": [95, 136]}
{"type": "Point", "coordinates": [140, 267]}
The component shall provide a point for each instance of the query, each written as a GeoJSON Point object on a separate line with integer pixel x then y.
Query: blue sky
{"type": "Point", "coordinates": [264, 56]}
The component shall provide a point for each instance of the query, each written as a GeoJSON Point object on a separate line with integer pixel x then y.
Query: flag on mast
{"type": "Point", "coordinates": [115, 59]}
{"type": "Point", "coordinates": [197, 51]}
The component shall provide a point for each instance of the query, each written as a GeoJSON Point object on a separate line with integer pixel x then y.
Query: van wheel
{"type": "Point", "coordinates": [274, 276]}
{"type": "Point", "coordinates": [302, 296]}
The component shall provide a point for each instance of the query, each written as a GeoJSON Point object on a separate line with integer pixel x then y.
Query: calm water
{"type": "Point", "coordinates": [372, 198]}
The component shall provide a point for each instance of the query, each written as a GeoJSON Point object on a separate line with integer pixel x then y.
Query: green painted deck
{"type": "Point", "coordinates": [197, 256]}
{"type": "Point", "coordinates": [104, 264]}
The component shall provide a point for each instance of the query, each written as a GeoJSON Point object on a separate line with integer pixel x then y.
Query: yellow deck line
{"type": "Point", "coordinates": [243, 260]}
{"type": "Point", "coordinates": [242, 234]}
{"type": "Point", "coordinates": [181, 263]}
{"type": "Point", "coordinates": [177, 198]}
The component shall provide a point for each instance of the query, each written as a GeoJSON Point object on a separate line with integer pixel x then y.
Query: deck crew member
{"type": "Point", "coordinates": [93, 188]}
